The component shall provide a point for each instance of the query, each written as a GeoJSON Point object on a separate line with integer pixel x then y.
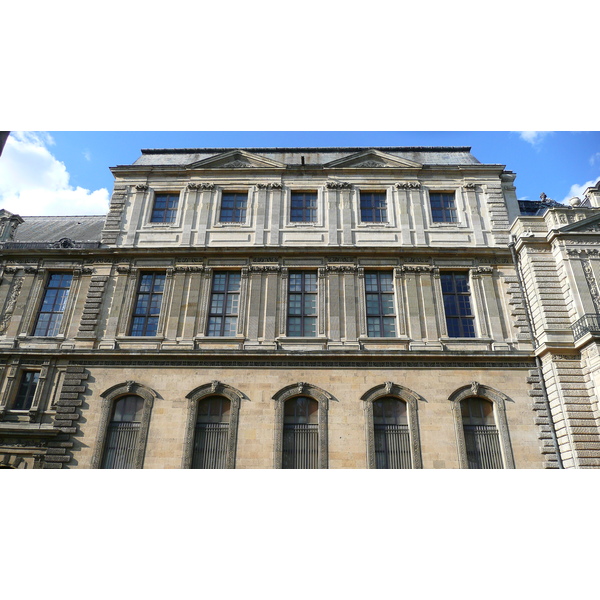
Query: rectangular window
{"type": "Point", "coordinates": [457, 304]}
{"type": "Point", "coordinates": [53, 306]}
{"type": "Point", "coordinates": [302, 304]}
{"type": "Point", "coordinates": [303, 207]}
{"type": "Point", "coordinates": [26, 391]}
{"type": "Point", "coordinates": [373, 207]}
{"type": "Point", "coordinates": [147, 304]}
{"type": "Point", "coordinates": [224, 304]}
{"type": "Point", "coordinates": [381, 319]}
{"type": "Point", "coordinates": [443, 207]}
{"type": "Point", "coordinates": [165, 208]}
{"type": "Point", "coordinates": [233, 207]}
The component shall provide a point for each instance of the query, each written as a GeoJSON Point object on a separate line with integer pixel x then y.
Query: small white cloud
{"type": "Point", "coordinates": [34, 182]}
{"type": "Point", "coordinates": [595, 159]}
{"type": "Point", "coordinates": [87, 155]}
{"type": "Point", "coordinates": [578, 190]}
{"type": "Point", "coordinates": [533, 137]}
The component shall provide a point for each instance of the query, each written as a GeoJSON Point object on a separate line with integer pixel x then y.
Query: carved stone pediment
{"type": "Point", "coordinates": [373, 159]}
{"type": "Point", "coordinates": [237, 159]}
{"type": "Point", "coordinates": [581, 224]}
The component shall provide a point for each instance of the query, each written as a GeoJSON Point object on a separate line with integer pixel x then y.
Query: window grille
{"type": "Point", "coordinates": [302, 304]}
{"type": "Point", "coordinates": [381, 320]}
{"type": "Point", "coordinates": [481, 434]}
{"type": "Point", "coordinates": [300, 434]}
{"type": "Point", "coordinates": [224, 304]}
{"type": "Point", "coordinates": [443, 207]}
{"type": "Point", "coordinates": [303, 207]}
{"type": "Point", "coordinates": [373, 207]}
{"type": "Point", "coordinates": [457, 304]}
{"type": "Point", "coordinates": [211, 434]}
{"type": "Point", "coordinates": [392, 436]}
{"type": "Point", "coordinates": [233, 207]}
{"type": "Point", "coordinates": [146, 312]}
{"type": "Point", "coordinates": [165, 208]}
{"type": "Point", "coordinates": [123, 433]}
{"type": "Point", "coordinates": [53, 306]}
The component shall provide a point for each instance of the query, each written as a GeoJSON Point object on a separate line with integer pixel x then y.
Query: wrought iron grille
{"type": "Point", "coordinates": [300, 446]}
{"type": "Point", "coordinates": [210, 446]}
{"type": "Point", "coordinates": [483, 447]}
{"type": "Point", "coordinates": [392, 447]}
{"type": "Point", "coordinates": [589, 323]}
{"type": "Point", "coordinates": [120, 447]}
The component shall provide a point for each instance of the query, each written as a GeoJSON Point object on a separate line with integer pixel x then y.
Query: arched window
{"type": "Point", "coordinates": [300, 433]}
{"type": "Point", "coordinates": [481, 427]}
{"type": "Point", "coordinates": [481, 434]}
{"type": "Point", "coordinates": [211, 433]}
{"type": "Point", "coordinates": [393, 440]}
{"type": "Point", "coordinates": [392, 437]}
{"type": "Point", "coordinates": [123, 433]}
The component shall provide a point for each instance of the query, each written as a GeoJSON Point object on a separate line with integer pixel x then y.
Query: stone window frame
{"type": "Point", "coordinates": [323, 398]}
{"type": "Point", "coordinates": [109, 397]}
{"type": "Point", "coordinates": [459, 203]}
{"type": "Point", "coordinates": [287, 206]}
{"type": "Point", "coordinates": [397, 305]}
{"type": "Point", "coordinates": [389, 203]}
{"type": "Point", "coordinates": [499, 400]}
{"type": "Point", "coordinates": [218, 198]}
{"type": "Point", "coordinates": [215, 388]}
{"type": "Point", "coordinates": [390, 389]}
{"type": "Point", "coordinates": [149, 207]}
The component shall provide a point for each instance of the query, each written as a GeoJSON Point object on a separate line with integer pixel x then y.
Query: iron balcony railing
{"type": "Point", "coordinates": [300, 446]}
{"type": "Point", "coordinates": [392, 447]}
{"type": "Point", "coordinates": [210, 446]}
{"type": "Point", "coordinates": [483, 447]}
{"type": "Point", "coordinates": [589, 323]}
{"type": "Point", "coordinates": [121, 442]}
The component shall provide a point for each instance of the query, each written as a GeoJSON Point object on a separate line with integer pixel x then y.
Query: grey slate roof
{"type": "Point", "coordinates": [52, 229]}
{"type": "Point", "coordinates": [434, 155]}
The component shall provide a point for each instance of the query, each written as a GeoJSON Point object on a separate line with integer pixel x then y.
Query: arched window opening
{"type": "Point", "coordinates": [212, 433]}
{"type": "Point", "coordinates": [123, 433]}
{"type": "Point", "coordinates": [392, 435]}
{"type": "Point", "coordinates": [481, 434]}
{"type": "Point", "coordinates": [300, 433]}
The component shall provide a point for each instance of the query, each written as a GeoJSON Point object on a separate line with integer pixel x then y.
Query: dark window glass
{"type": "Point", "coordinates": [224, 304]}
{"type": "Point", "coordinates": [300, 433]}
{"type": "Point", "coordinates": [123, 433]}
{"type": "Point", "coordinates": [481, 434]}
{"type": "Point", "coordinates": [392, 436]}
{"type": "Point", "coordinates": [165, 208]}
{"type": "Point", "coordinates": [26, 391]}
{"type": "Point", "coordinates": [147, 304]}
{"type": "Point", "coordinates": [303, 207]}
{"type": "Point", "coordinates": [373, 207]}
{"type": "Point", "coordinates": [53, 304]}
{"type": "Point", "coordinates": [443, 207]}
{"type": "Point", "coordinates": [212, 433]}
{"type": "Point", "coordinates": [233, 207]}
{"type": "Point", "coordinates": [457, 305]}
{"type": "Point", "coordinates": [381, 320]}
{"type": "Point", "coordinates": [302, 304]}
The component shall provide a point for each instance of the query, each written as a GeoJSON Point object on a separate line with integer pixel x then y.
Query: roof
{"type": "Point", "coordinates": [52, 229]}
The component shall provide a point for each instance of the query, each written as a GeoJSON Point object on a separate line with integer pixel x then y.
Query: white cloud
{"type": "Point", "coordinates": [578, 190]}
{"type": "Point", "coordinates": [34, 182]}
{"type": "Point", "coordinates": [533, 137]}
{"type": "Point", "coordinates": [595, 159]}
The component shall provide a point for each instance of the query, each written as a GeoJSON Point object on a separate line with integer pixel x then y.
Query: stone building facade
{"type": "Point", "coordinates": [302, 308]}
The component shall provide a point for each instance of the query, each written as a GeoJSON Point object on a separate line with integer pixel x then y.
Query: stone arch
{"type": "Point", "coordinates": [412, 399]}
{"type": "Point", "coordinates": [292, 391]}
{"type": "Point", "coordinates": [109, 397]}
{"type": "Point", "coordinates": [215, 388]}
{"type": "Point", "coordinates": [499, 400]}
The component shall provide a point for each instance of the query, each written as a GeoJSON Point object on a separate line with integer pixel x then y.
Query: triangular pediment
{"type": "Point", "coordinates": [589, 225]}
{"type": "Point", "coordinates": [237, 159]}
{"type": "Point", "coordinates": [373, 159]}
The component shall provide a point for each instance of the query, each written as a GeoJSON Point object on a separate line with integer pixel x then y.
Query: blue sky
{"type": "Point", "coordinates": [68, 172]}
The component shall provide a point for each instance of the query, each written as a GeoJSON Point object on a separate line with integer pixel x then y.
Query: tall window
{"type": "Point", "coordinates": [300, 434]}
{"type": "Point", "coordinates": [233, 207]}
{"type": "Point", "coordinates": [443, 207]}
{"type": "Point", "coordinates": [481, 434]}
{"type": "Point", "coordinates": [211, 434]}
{"type": "Point", "coordinates": [54, 303]}
{"type": "Point", "coordinates": [26, 391]}
{"type": "Point", "coordinates": [147, 305]}
{"type": "Point", "coordinates": [381, 320]}
{"type": "Point", "coordinates": [302, 304]}
{"type": "Point", "coordinates": [224, 304]}
{"type": "Point", "coordinates": [165, 208]}
{"type": "Point", "coordinates": [303, 207]}
{"type": "Point", "coordinates": [457, 304]}
{"type": "Point", "coordinates": [373, 207]}
{"type": "Point", "coordinates": [392, 436]}
{"type": "Point", "coordinates": [123, 433]}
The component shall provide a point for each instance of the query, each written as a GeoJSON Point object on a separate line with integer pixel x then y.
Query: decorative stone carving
{"type": "Point", "coordinates": [141, 187]}
{"type": "Point", "coordinates": [371, 164]}
{"type": "Point", "coordinates": [200, 186]}
{"type": "Point", "coordinates": [338, 185]}
{"type": "Point", "coordinates": [10, 305]}
{"type": "Point", "coordinates": [592, 285]}
{"type": "Point", "coordinates": [407, 185]}
{"type": "Point", "coordinates": [267, 186]}
{"type": "Point", "coordinates": [65, 243]}
{"type": "Point", "coordinates": [237, 164]}
{"type": "Point", "coordinates": [470, 185]}
{"type": "Point", "coordinates": [475, 388]}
